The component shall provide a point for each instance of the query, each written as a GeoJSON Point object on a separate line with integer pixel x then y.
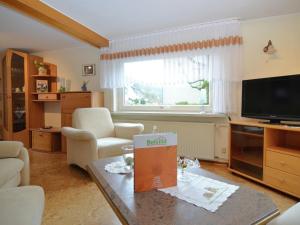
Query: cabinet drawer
{"type": "Point", "coordinates": [66, 119]}
{"type": "Point", "coordinates": [283, 181]}
{"type": "Point", "coordinates": [47, 96]}
{"type": "Point", "coordinates": [41, 140]}
{"type": "Point", "coordinates": [283, 162]}
{"type": "Point", "coordinates": [72, 101]}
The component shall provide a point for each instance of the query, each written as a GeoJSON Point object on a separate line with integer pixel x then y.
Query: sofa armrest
{"type": "Point", "coordinates": [25, 173]}
{"type": "Point", "coordinates": [77, 134]}
{"type": "Point", "coordinates": [10, 149]}
{"type": "Point", "coordinates": [127, 130]}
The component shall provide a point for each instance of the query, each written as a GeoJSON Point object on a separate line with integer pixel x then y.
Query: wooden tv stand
{"type": "Point", "coordinates": [269, 154]}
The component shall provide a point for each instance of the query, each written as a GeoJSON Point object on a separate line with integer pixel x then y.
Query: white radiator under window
{"type": "Point", "coordinates": [194, 139]}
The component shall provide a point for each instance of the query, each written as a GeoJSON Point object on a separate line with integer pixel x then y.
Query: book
{"type": "Point", "coordinates": [155, 161]}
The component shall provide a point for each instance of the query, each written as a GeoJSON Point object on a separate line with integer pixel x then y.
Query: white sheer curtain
{"type": "Point", "coordinates": [221, 66]}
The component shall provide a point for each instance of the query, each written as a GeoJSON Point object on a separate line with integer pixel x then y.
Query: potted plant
{"type": "Point", "coordinates": [42, 70]}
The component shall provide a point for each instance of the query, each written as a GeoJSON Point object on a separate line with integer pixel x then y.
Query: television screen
{"type": "Point", "coordinates": [275, 98]}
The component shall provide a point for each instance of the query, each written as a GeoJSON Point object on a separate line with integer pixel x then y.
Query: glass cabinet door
{"type": "Point", "coordinates": [18, 92]}
{"type": "Point", "coordinates": [4, 94]}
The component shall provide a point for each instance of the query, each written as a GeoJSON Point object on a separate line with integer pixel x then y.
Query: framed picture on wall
{"type": "Point", "coordinates": [42, 86]}
{"type": "Point", "coordinates": [88, 70]}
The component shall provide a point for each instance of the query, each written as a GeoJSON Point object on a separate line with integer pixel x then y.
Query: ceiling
{"type": "Point", "coordinates": [119, 18]}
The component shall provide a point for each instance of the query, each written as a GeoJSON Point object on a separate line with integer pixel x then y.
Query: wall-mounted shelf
{"type": "Point", "coordinates": [49, 100]}
{"type": "Point", "coordinates": [36, 93]}
{"type": "Point", "coordinates": [44, 76]}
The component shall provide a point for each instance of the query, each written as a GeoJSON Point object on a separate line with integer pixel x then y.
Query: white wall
{"type": "Point", "coordinates": [284, 31]}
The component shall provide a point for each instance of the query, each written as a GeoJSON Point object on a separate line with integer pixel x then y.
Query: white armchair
{"type": "Point", "coordinates": [14, 164]}
{"type": "Point", "coordinates": [94, 136]}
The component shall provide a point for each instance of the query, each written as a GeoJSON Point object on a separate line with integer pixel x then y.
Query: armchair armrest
{"type": "Point", "coordinates": [77, 134]}
{"type": "Point", "coordinates": [127, 130]}
{"type": "Point", "coordinates": [10, 149]}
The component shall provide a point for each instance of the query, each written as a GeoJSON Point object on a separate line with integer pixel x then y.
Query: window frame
{"type": "Point", "coordinates": [159, 108]}
{"type": "Point", "coordinates": [120, 98]}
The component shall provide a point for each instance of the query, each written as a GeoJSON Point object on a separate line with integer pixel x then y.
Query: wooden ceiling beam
{"type": "Point", "coordinates": [48, 15]}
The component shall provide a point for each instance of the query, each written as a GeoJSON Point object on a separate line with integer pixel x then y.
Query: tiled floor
{"type": "Point", "coordinates": [73, 199]}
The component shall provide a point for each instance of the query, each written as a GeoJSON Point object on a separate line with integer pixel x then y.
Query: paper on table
{"type": "Point", "coordinates": [201, 191]}
{"type": "Point", "coordinates": [117, 167]}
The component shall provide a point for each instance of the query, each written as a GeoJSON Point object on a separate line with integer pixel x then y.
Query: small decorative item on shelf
{"type": "Point", "coordinates": [42, 86]}
{"type": "Point", "coordinates": [88, 70]}
{"type": "Point", "coordinates": [18, 90]}
{"type": "Point", "coordinates": [42, 70]}
{"type": "Point", "coordinates": [62, 89]}
{"type": "Point", "coordinates": [84, 85]}
{"type": "Point", "coordinates": [62, 83]}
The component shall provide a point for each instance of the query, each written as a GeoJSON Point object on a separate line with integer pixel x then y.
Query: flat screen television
{"type": "Point", "coordinates": [274, 98]}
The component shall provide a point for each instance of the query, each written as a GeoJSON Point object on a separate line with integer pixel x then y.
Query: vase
{"type": "Point", "coordinates": [42, 71]}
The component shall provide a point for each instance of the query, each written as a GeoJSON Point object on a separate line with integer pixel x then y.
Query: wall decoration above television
{"type": "Point", "coordinates": [274, 98]}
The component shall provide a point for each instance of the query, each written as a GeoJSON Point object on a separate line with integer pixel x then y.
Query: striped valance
{"type": "Point", "coordinates": [231, 40]}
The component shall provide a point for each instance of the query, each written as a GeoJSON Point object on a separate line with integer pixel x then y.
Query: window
{"type": "Point", "coordinates": [155, 85]}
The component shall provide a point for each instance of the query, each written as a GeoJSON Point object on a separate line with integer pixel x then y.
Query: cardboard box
{"type": "Point", "coordinates": [155, 161]}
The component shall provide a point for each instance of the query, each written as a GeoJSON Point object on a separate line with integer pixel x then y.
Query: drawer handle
{"type": "Point", "coordinates": [282, 180]}
{"type": "Point", "coordinates": [282, 163]}
{"type": "Point", "coordinates": [41, 135]}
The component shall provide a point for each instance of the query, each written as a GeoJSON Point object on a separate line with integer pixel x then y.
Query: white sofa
{"type": "Point", "coordinates": [18, 205]}
{"type": "Point", "coordinates": [14, 164]}
{"type": "Point", "coordinates": [289, 217]}
{"type": "Point", "coordinates": [94, 136]}
{"type": "Point", "coordinates": [21, 205]}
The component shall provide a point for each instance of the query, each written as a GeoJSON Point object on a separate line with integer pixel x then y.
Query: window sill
{"type": "Point", "coordinates": [193, 114]}
{"type": "Point", "coordinates": [169, 116]}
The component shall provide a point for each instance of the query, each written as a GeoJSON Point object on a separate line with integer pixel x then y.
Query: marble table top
{"type": "Point", "coordinates": [245, 206]}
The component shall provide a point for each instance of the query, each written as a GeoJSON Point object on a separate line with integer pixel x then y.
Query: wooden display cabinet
{"type": "Point", "coordinates": [15, 96]}
{"type": "Point", "coordinates": [269, 154]}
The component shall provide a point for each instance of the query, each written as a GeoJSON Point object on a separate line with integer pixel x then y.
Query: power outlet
{"type": "Point", "coordinates": [224, 150]}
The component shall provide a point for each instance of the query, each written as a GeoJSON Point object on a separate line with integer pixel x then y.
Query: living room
{"type": "Point", "coordinates": [201, 70]}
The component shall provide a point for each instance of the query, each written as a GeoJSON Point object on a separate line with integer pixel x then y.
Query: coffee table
{"type": "Point", "coordinates": [245, 206]}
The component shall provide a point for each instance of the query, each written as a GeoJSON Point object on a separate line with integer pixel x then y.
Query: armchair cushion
{"type": "Point", "coordinates": [10, 149]}
{"type": "Point", "coordinates": [111, 146]}
{"type": "Point", "coordinates": [127, 130]}
{"type": "Point", "coordinates": [95, 120]}
{"type": "Point", "coordinates": [9, 169]}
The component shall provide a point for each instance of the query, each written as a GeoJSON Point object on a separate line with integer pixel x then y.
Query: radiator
{"type": "Point", "coordinates": [194, 139]}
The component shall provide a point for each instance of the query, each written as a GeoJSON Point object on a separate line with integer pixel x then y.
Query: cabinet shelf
{"type": "Point", "coordinates": [285, 150]}
{"type": "Point", "coordinates": [36, 93]}
{"type": "Point", "coordinates": [44, 76]}
{"type": "Point", "coordinates": [247, 133]}
{"type": "Point", "coordinates": [251, 156]}
{"type": "Point", "coordinates": [45, 100]}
